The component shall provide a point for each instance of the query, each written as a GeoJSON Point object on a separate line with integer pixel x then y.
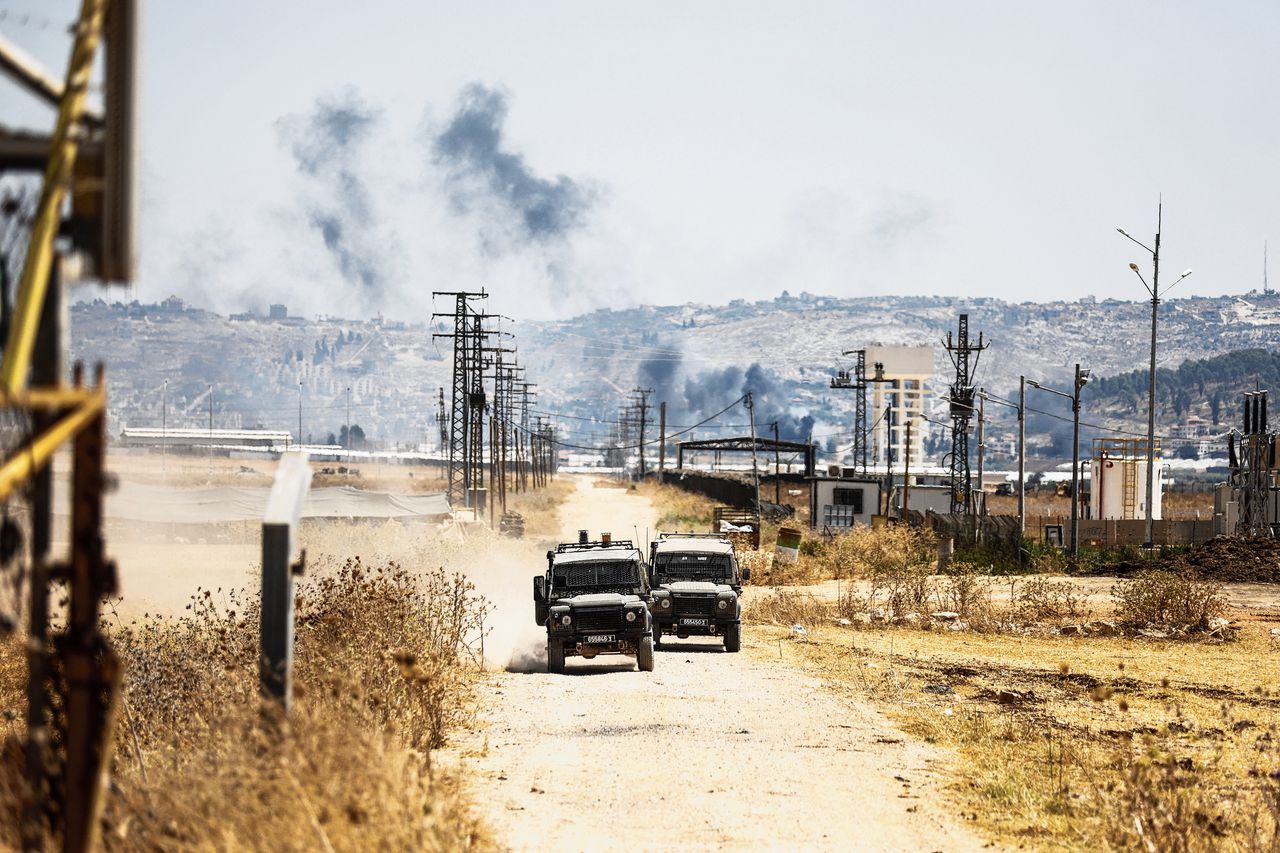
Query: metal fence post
{"type": "Point", "coordinates": [279, 547]}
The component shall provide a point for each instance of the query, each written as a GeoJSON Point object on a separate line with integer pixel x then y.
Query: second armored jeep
{"type": "Point", "coordinates": [696, 583]}
{"type": "Point", "coordinates": [593, 600]}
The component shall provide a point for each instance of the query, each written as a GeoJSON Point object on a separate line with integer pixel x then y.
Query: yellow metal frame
{"type": "Point", "coordinates": [84, 407]}
{"type": "Point", "coordinates": [57, 179]}
{"type": "Point", "coordinates": [77, 406]}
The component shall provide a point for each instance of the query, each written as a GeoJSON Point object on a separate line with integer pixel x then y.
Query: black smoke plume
{"type": "Point", "coordinates": [326, 145]}
{"type": "Point", "coordinates": [478, 169]}
{"type": "Point", "coordinates": [660, 372]}
{"type": "Point", "coordinates": [712, 390]}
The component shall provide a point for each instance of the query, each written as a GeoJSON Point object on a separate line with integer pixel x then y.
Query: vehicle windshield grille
{"type": "Point", "coordinates": [613, 574]}
{"type": "Point", "coordinates": [695, 566]}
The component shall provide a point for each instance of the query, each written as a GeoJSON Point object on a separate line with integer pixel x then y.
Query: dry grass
{"type": "Point", "coordinates": [1079, 743]}
{"type": "Point", "coordinates": [541, 508]}
{"type": "Point", "coordinates": [863, 552]}
{"type": "Point", "coordinates": [678, 510]}
{"type": "Point", "coordinates": [383, 668]}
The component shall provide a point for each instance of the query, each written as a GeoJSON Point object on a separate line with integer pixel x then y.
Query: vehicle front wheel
{"type": "Point", "coordinates": [555, 658]}
{"type": "Point", "coordinates": [644, 654]}
{"type": "Point", "coordinates": [732, 638]}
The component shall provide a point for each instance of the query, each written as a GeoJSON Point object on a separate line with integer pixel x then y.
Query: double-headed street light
{"type": "Point", "coordinates": [1154, 290]}
{"type": "Point", "coordinates": [1082, 378]}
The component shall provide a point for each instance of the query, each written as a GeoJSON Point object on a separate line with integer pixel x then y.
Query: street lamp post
{"type": "Point", "coordinates": [1154, 290]}
{"type": "Point", "coordinates": [164, 427]}
{"type": "Point", "coordinates": [1022, 463]}
{"type": "Point", "coordinates": [1081, 379]}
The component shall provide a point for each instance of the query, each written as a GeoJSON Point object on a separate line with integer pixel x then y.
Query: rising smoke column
{"type": "Point", "coordinates": [483, 174]}
{"type": "Point", "coordinates": [326, 145]}
{"type": "Point", "coordinates": [659, 371]}
{"type": "Point", "coordinates": [711, 390]}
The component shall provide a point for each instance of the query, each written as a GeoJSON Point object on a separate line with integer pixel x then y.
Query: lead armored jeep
{"type": "Point", "coordinates": [696, 584]}
{"type": "Point", "coordinates": [593, 600]}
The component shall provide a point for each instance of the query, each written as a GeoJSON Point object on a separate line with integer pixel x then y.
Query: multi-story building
{"type": "Point", "coordinates": [898, 399]}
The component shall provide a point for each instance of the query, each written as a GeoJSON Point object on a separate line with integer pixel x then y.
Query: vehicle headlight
{"type": "Point", "coordinates": [666, 604]}
{"type": "Point", "coordinates": [722, 604]}
{"type": "Point", "coordinates": [631, 616]}
{"type": "Point", "coordinates": [566, 619]}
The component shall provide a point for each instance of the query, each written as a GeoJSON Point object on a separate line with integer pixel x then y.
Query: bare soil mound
{"type": "Point", "coordinates": [1223, 558]}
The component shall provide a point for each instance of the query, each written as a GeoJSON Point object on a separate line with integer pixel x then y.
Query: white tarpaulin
{"type": "Point", "coordinates": [162, 504]}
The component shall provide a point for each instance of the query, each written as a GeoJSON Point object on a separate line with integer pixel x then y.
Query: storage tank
{"type": "Point", "coordinates": [1119, 484]}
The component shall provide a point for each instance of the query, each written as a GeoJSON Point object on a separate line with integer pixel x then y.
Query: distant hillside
{"type": "Point", "coordinates": [162, 360]}
{"type": "Point", "coordinates": [1207, 387]}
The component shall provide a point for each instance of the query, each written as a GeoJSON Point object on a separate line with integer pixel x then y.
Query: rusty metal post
{"type": "Point", "coordinates": [92, 669]}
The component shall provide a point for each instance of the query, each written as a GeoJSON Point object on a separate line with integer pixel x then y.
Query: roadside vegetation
{"type": "Point", "coordinates": [541, 507]}
{"type": "Point", "coordinates": [1150, 725]}
{"type": "Point", "coordinates": [384, 667]}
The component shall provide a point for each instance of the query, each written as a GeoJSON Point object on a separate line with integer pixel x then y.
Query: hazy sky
{"type": "Point", "coordinates": [708, 150]}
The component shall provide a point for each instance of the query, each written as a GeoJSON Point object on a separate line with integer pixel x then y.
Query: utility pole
{"type": "Point", "coordinates": [1154, 290]}
{"type": "Point", "coordinates": [662, 439]}
{"type": "Point", "coordinates": [980, 503]}
{"type": "Point", "coordinates": [905, 515]}
{"type": "Point", "coordinates": [210, 431]}
{"type": "Point", "coordinates": [1075, 462]}
{"type": "Point", "coordinates": [961, 350]}
{"type": "Point", "coordinates": [164, 427]}
{"type": "Point", "coordinates": [459, 468]}
{"type": "Point", "coordinates": [299, 412]}
{"type": "Point", "coordinates": [1022, 463]}
{"type": "Point", "coordinates": [888, 468]}
{"type": "Point", "coordinates": [1081, 379]}
{"type": "Point", "coordinates": [755, 469]}
{"type": "Point", "coordinates": [859, 383]}
{"type": "Point", "coordinates": [777, 480]}
{"type": "Point", "coordinates": [348, 426]}
{"type": "Point", "coordinates": [643, 418]}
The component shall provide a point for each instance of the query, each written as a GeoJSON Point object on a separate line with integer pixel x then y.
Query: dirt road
{"type": "Point", "coordinates": [710, 751]}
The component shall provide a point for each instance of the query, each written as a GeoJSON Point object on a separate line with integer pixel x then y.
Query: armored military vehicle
{"type": "Point", "coordinates": [696, 583]}
{"type": "Point", "coordinates": [593, 600]}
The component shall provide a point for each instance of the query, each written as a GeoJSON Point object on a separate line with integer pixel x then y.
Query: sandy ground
{"type": "Point", "coordinates": [710, 751]}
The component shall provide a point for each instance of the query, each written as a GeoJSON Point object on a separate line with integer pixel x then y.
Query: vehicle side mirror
{"type": "Point", "coordinates": [539, 588]}
{"type": "Point", "coordinates": [746, 574]}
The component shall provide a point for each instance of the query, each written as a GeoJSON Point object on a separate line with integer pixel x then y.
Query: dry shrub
{"type": "Point", "coordinates": [1168, 599]}
{"type": "Point", "coordinates": [766, 570]}
{"type": "Point", "coordinates": [852, 604]}
{"type": "Point", "coordinates": [384, 660]}
{"type": "Point", "coordinates": [787, 607]}
{"type": "Point", "coordinates": [1038, 600]}
{"type": "Point", "coordinates": [870, 551]}
{"type": "Point", "coordinates": [1160, 801]}
{"type": "Point", "coordinates": [899, 561]}
{"type": "Point", "coordinates": [964, 589]}
{"type": "Point", "coordinates": [863, 552]}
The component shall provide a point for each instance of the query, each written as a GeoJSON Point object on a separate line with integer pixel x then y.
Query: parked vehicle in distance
{"type": "Point", "coordinates": [593, 600]}
{"type": "Point", "coordinates": [696, 583]}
